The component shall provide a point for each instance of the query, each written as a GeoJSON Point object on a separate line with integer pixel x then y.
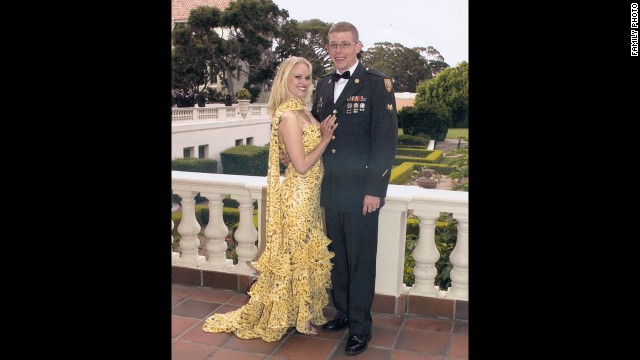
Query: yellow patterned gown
{"type": "Point", "coordinates": [295, 265]}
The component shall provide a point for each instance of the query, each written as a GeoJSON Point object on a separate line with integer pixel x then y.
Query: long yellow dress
{"type": "Point", "coordinates": [295, 265]}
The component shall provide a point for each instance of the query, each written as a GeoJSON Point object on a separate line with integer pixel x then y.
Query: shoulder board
{"type": "Point", "coordinates": [371, 71]}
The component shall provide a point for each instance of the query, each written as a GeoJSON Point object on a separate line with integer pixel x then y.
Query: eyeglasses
{"type": "Point", "coordinates": [343, 45]}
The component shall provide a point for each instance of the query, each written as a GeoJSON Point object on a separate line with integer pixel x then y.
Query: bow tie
{"type": "Point", "coordinates": [345, 75]}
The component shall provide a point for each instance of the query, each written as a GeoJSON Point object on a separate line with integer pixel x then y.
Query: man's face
{"type": "Point", "coordinates": [343, 50]}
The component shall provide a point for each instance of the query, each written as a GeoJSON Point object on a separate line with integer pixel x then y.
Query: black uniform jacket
{"type": "Point", "coordinates": [358, 161]}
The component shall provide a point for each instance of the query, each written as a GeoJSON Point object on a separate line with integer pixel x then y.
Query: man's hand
{"type": "Point", "coordinates": [284, 158]}
{"type": "Point", "coordinates": [370, 204]}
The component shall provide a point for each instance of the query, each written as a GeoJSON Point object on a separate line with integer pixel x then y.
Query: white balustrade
{"type": "Point", "coordinates": [207, 113]}
{"type": "Point", "coordinates": [392, 237]}
{"type": "Point", "coordinates": [426, 204]}
{"type": "Point", "coordinates": [214, 112]}
{"type": "Point", "coordinates": [426, 254]}
{"type": "Point", "coordinates": [246, 235]}
{"type": "Point", "coordinates": [216, 232]}
{"type": "Point", "coordinates": [459, 258]}
{"type": "Point", "coordinates": [182, 114]}
{"type": "Point", "coordinates": [189, 229]}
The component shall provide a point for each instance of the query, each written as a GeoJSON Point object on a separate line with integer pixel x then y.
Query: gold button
{"type": "Point", "coordinates": [333, 137]}
{"type": "Point", "coordinates": [333, 151]}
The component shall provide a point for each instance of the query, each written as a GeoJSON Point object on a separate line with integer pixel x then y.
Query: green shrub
{"type": "Point", "coordinates": [230, 203]}
{"type": "Point", "coordinates": [414, 152]}
{"type": "Point", "coordinates": [243, 94]}
{"type": "Point", "coordinates": [401, 173]}
{"type": "Point", "coordinates": [434, 156]}
{"type": "Point", "coordinates": [245, 160]}
{"type": "Point", "coordinates": [413, 140]}
{"type": "Point", "coordinates": [195, 165]}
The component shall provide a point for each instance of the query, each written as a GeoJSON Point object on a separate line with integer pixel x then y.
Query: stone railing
{"type": "Point", "coordinates": [217, 112]}
{"type": "Point", "coordinates": [426, 204]}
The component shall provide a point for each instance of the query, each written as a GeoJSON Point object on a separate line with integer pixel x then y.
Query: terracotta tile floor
{"type": "Point", "coordinates": [408, 338]}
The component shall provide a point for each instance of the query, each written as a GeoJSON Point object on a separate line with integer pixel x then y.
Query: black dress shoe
{"type": "Point", "coordinates": [336, 324]}
{"type": "Point", "coordinates": [357, 343]}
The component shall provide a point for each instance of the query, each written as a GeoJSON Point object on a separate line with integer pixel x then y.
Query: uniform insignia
{"type": "Point", "coordinates": [389, 107]}
{"type": "Point", "coordinates": [357, 81]}
{"type": "Point", "coordinates": [387, 85]}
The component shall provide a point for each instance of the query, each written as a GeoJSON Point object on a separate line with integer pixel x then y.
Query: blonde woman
{"type": "Point", "coordinates": [295, 266]}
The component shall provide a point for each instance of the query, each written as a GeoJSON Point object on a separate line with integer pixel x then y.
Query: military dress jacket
{"type": "Point", "coordinates": [359, 158]}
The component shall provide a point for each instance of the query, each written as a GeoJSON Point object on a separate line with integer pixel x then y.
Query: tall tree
{"type": "Point", "coordinates": [253, 24]}
{"type": "Point", "coordinates": [406, 66]}
{"type": "Point", "coordinates": [308, 39]}
{"type": "Point", "coordinates": [434, 59]}
{"type": "Point", "coordinates": [189, 67]}
{"type": "Point", "coordinates": [449, 90]}
{"type": "Point", "coordinates": [236, 41]}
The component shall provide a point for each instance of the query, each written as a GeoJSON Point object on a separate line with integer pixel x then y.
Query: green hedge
{"type": "Point", "coordinates": [414, 152]}
{"type": "Point", "coordinates": [413, 140]}
{"type": "Point", "coordinates": [435, 156]}
{"type": "Point", "coordinates": [195, 165]}
{"type": "Point", "coordinates": [401, 173]}
{"type": "Point", "coordinates": [432, 157]}
{"type": "Point", "coordinates": [245, 160]}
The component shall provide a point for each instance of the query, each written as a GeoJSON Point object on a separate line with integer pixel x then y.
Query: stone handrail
{"type": "Point", "coordinates": [218, 112]}
{"type": "Point", "coordinates": [426, 204]}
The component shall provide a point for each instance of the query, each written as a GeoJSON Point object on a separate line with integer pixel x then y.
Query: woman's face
{"type": "Point", "coordinates": [299, 81]}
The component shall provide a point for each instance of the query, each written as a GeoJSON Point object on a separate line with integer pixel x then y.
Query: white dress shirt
{"type": "Point", "coordinates": [341, 83]}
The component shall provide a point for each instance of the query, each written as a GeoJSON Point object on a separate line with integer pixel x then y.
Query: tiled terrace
{"type": "Point", "coordinates": [410, 337]}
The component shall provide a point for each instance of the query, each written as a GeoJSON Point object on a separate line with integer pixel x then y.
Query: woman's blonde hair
{"type": "Point", "coordinates": [279, 88]}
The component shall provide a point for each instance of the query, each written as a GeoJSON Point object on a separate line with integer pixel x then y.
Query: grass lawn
{"type": "Point", "coordinates": [454, 133]}
{"type": "Point", "coordinates": [451, 133]}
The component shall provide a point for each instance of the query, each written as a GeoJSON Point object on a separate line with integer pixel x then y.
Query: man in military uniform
{"type": "Point", "coordinates": [357, 164]}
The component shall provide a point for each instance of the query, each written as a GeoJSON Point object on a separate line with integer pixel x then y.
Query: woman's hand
{"type": "Point", "coordinates": [328, 126]}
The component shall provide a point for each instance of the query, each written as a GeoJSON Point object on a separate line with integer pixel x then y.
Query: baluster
{"type": "Point", "coordinates": [174, 254]}
{"type": "Point", "coordinates": [188, 230]}
{"type": "Point", "coordinates": [216, 231]}
{"type": "Point", "coordinates": [426, 255]}
{"type": "Point", "coordinates": [459, 258]}
{"type": "Point", "coordinates": [392, 235]}
{"type": "Point", "coordinates": [246, 235]}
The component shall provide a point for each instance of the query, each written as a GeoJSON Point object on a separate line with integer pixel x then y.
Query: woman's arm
{"type": "Point", "coordinates": [292, 137]}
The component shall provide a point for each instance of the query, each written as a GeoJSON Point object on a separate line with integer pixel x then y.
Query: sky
{"type": "Point", "coordinates": [442, 24]}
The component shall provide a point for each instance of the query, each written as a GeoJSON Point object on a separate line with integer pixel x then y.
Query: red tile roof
{"type": "Point", "coordinates": [180, 8]}
{"type": "Point", "coordinates": [400, 103]}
